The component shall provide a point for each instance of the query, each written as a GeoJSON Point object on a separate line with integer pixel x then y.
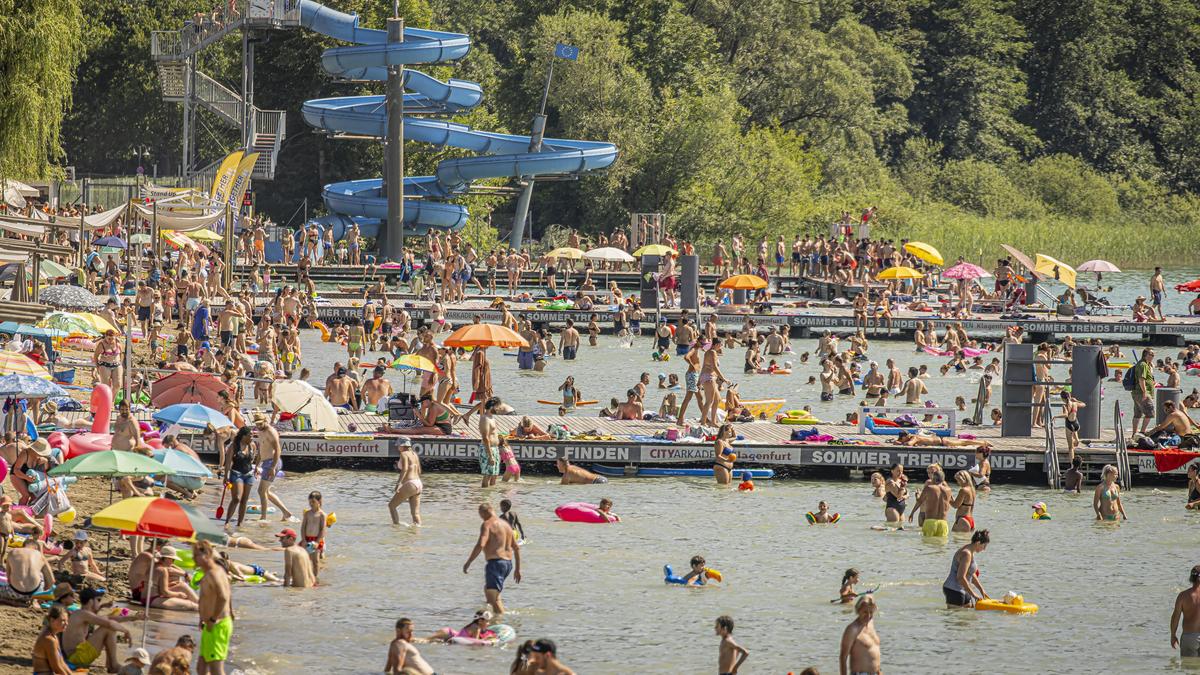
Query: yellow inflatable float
{"type": "Point", "coordinates": [797, 417]}
{"type": "Point", "coordinates": [1017, 606]}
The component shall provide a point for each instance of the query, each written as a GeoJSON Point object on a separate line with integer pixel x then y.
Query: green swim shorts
{"type": "Point", "coordinates": [214, 641]}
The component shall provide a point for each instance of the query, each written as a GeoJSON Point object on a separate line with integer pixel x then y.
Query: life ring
{"type": "Point", "coordinates": [812, 518]}
{"type": "Point", "coordinates": [499, 634]}
{"type": "Point", "coordinates": [582, 512]}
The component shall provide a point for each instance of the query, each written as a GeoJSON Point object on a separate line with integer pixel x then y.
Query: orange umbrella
{"type": "Point", "coordinates": [744, 282]}
{"type": "Point", "coordinates": [485, 335]}
{"type": "Point", "coordinates": [183, 387]}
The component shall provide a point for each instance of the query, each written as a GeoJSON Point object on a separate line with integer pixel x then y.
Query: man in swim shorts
{"type": "Point", "coordinates": [499, 547]}
{"type": "Point", "coordinates": [1187, 606]}
{"type": "Point", "coordinates": [216, 612]}
{"type": "Point", "coordinates": [574, 475]}
{"type": "Point", "coordinates": [934, 502]}
{"type": "Point", "coordinates": [88, 633]}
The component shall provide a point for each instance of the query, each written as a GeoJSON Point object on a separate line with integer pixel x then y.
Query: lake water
{"type": "Point", "coordinates": [1105, 591]}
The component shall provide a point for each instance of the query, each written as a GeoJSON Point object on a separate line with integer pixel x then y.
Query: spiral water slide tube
{"type": "Point", "coordinates": [500, 155]}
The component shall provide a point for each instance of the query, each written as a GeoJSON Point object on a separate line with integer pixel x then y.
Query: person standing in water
{"type": "Point", "coordinates": [1106, 501]}
{"type": "Point", "coordinates": [860, 653]}
{"type": "Point", "coordinates": [408, 485]}
{"type": "Point", "coordinates": [499, 547]}
{"type": "Point", "coordinates": [216, 612]}
{"type": "Point", "coordinates": [403, 657]}
{"type": "Point", "coordinates": [270, 453]}
{"type": "Point", "coordinates": [934, 503]}
{"type": "Point", "coordinates": [964, 573]}
{"type": "Point", "coordinates": [1187, 607]}
{"type": "Point", "coordinates": [731, 654]}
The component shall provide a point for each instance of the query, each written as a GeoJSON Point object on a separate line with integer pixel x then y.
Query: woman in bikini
{"type": "Point", "coordinates": [477, 629]}
{"type": "Point", "coordinates": [964, 502]}
{"type": "Point", "coordinates": [1106, 501]}
{"type": "Point", "coordinates": [722, 448]}
{"type": "Point", "coordinates": [1070, 415]}
{"type": "Point", "coordinates": [981, 473]}
{"type": "Point", "coordinates": [107, 359]}
{"type": "Point", "coordinates": [895, 494]}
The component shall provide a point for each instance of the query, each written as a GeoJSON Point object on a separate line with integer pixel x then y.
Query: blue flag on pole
{"type": "Point", "coordinates": [568, 52]}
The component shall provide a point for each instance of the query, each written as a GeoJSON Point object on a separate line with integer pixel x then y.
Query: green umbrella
{"type": "Point", "coordinates": [112, 463]}
{"type": "Point", "coordinates": [52, 270]}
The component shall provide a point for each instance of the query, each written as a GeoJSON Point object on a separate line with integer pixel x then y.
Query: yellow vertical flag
{"type": "Point", "coordinates": [241, 183]}
{"type": "Point", "coordinates": [225, 176]}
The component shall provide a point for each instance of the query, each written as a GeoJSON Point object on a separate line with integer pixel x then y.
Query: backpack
{"type": "Point", "coordinates": [1127, 381]}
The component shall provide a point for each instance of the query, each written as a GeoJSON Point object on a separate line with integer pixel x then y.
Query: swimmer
{"type": "Point", "coordinates": [695, 577]}
{"type": "Point", "coordinates": [514, 521]}
{"type": "Point", "coordinates": [1039, 511]}
{"type": "Point", "coordinates": [476, 630]}
{"type": "Point", "coordinates": [239, 571]}
{"type": "Point", "coordinates": [895, 495]}
{"type": "Point", "coordinates": [605, 509]}
{"type": "Point", "coordinates": [1073, 478]}
{"type": "Point", "coordinates": [403, 657]}
{"type": "Point", "coordinates": [822, 516]}
{"type": "Point", "coordinates": [877, 485]}
{"type": "Point", "coordinates": [847, 594]}
{"type": "Point", "coordinates": [747, 485]}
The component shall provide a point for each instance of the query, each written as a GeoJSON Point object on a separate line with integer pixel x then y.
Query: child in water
{"type": "Point", "coordinates": [847, 594]}
{"type": "Point", "coordinates": [511, 468]}
{"type": "Point", "coordinates": [877, 487]}
{"type": "Point", "coordinates": [1039, 511]}
{"type": "Point", "coordinates": [312, 528]}
{"type": "Point", "coordinates": [509, 516]}
{"type": "Point", "coordinates": [822, 516]}
{"type": "Point", "coordinates": [746, 485]}
{"type": "Point", "coordinates": [698, 576]}
{"type": "Point", "coordinates": [605, 510]}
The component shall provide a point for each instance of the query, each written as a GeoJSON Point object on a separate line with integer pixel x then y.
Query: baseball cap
{"type": "Point", "coordinates": [287, 532]}
{"type": "Point", "coordinates": [81, 535]}
{"type": "Point", "coordinates": [139, 656]}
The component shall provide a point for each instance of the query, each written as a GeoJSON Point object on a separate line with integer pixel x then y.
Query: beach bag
{"type": "Point", "coordinates": [1189, 441]}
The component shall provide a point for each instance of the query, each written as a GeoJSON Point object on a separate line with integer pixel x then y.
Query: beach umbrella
{"type": "Point", "coordinates": [1097, 266]}
{"type": "Point", "coordinates": [181, 463]}
{"type": "Point", "coordinates": [98, 322]}
{"type": "Point", "coordinates": [566, 252]}
{"type": "Point", "coordinates": [69, 323]}
{"type": "Point", "coordinates": [608, 254]}
{"type": "Point", "coordinates": [744, 282]}
{"type": "Point", "coordinates": [300, 397]}
{"type": "Point", "coordinates": [29, 386]}
{"type": "Point", "coordinates": [192, 416]}
{"type": "Point", "coordinates": [414, 362]}
{"type": "Point", "coordinates": [139, 238]}
{"type": "Point", "coordinates": [1023, 259]}
{"type": "Point", "coordinates": [1051, 268]}
{"type": "Point", "coordinates": [899, 273]}
{"type": "Point", "coordinates": [52, 270]}
{"type": "Point", "coordinates": [178, 239]}
{"type": "Point", "coordinates": [925, 252]}
{"type": "Point", "coordinates": [1192, 286]}
{"type": "Point", "coordinates": [15, 363]}
{"type": "Point", "coordinates": [204, 234]}
{"type": "Point", "coordinates": [183, 387]}
{"type": "Point", "coordinates": [70, 297]}
{"type": "Point", "coordinates": [12, 328]}
{"type": "Point", "coordinates": [654, 249]}
{"type": "Point", "coordinates": [158, 517]}
{"type": "Point", "coordinates": [485, 335]}
{"type": "Point", "coordinates": [110, 242]}
{"type": "Point", "coordinates": [965, 270]}
{"type": "Point", "coordinates": [112, 463]}
{"type": "Point", "coordinates": [15, 192]}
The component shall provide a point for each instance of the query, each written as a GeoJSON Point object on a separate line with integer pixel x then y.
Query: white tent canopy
{"type": "Point", "coordinates": [28, 229]}
{"type": "Point", "coordinates": [104, 218]}
{"type": "Point", "coordinates": [167, 220]}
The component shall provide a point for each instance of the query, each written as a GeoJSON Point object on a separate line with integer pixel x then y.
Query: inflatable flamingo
{"type": "Point", "coordinates": [99, 438]}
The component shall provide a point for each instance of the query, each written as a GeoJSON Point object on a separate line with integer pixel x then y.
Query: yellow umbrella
{"type": "Point", "coordinates": [654, 249]}
{"type": "Point", "coordinates": [925, 252]}
{"type": "Point", "coordinates": [899, 273]}
{"type": "Point", "coordinates": [744, 282]}
{"type": "Point", "coordinates": [19, 364]}
{"type": "Point", "coordinates": [566, 252]}
{"type": "Point", "coordinates": [98, 322]}
{"type": "Point", "coordinates": [204, 234]}
{"type": "Point", "coordinates": [178, 240]}
{"type": "Point", "coordinates": [1055, 269]}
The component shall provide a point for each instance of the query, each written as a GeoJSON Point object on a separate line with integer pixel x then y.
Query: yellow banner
{"type": "Point", "coordinates": [240, 184]}
{"type": "Point", "coordinates": [225, 175]}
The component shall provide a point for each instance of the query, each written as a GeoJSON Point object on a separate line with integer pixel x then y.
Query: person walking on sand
{"type": "Point", "coordinates": [499, 547]}
{"type": "Point", "coordinates": [860, 652]}
{"type": "Point", "coordinates": [1187, 606]}
{"type": "Point", "coordinates": [403, 657]}
{"type": "Point", "coordinates": [408, 486]}
{"type": "Point", "coordinates": [731, 655]}
{"type": "Point", "coordinates": [216, 612]}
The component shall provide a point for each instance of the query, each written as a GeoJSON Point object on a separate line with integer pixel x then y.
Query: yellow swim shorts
{"type": "Point", "coordinates": [214, 642]}
{"type": "Point", "coordinates": [85, 653]}
{"type": "Point", "coordinates": [935, 528]}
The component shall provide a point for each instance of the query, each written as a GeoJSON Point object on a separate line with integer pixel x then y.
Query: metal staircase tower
{"type": "Point", "coordinates": [175, 53]}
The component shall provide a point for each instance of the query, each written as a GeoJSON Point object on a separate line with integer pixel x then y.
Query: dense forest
{"type": "Point", "coordinates": [1040, 117]}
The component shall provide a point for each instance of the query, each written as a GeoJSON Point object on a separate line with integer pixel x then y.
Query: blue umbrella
{"type": "Point", "coordinates": [26, 330]}
{"type": "Point", "coordinates": [28, 386]}
{"type": "Point", "coordinates": [111, 242]}
{"type": "Point", "coordinates": [184, 464]}
{"type": "Point", "coordinates": [192, 415]}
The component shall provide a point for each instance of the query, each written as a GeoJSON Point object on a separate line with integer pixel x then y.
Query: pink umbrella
{"type": "Point", "coordinates": [965, 270]}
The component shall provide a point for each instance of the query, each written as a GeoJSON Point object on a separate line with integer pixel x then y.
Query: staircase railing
{"type": "Point", "coordinates": [1052, 464]}
{"type": "Point", "coordinates": [196, 34]}
{"type": "Point", "coordinates": [1124, 471]}
{"type": "Point", "coordinates": [219, 98]}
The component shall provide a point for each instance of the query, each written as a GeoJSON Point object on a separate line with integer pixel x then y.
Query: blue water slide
{"type": "Point", "coordinates": [499, 155]}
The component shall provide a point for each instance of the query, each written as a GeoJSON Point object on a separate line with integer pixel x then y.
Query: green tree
{"type": "Point", "coordinates": [40, 47]}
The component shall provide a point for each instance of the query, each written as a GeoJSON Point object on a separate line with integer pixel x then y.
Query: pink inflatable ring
{"type": "Point", "coordinates": [582, 512]}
